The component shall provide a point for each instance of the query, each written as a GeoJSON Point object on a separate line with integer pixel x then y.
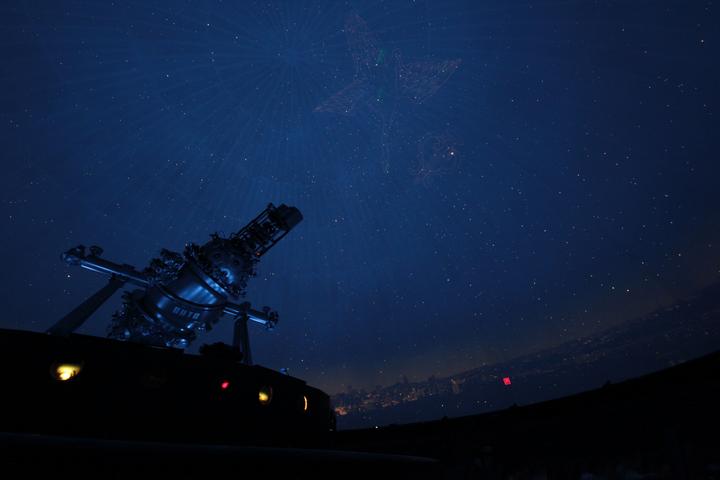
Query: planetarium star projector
{"type": "Point", "coordinates": [182, 295]}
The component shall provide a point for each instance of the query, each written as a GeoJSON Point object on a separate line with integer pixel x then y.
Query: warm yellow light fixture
{"type": "Point", "coordinates": [305, 404]}
{"type": "Point", "coordinates": [265, 395]}
{"type": "Point", "coordinates": [66, 371]}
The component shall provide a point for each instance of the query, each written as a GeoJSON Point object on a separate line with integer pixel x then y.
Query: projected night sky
{"type": "Point", "coordinates": [479, 179]}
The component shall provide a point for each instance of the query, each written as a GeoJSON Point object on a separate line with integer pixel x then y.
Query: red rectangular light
{"type": "Point", "coordinates": [506, 381]}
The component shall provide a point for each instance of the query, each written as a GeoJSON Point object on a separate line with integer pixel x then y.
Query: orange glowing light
{"type": "Point", "coordinates": [265, 395]}
{"type": "Point", "coordinates": [66, 371]}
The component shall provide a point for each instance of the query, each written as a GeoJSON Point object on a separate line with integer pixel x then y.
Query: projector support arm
{"type": "Point", "coordinates": [241, 338]}
{"type": "Point", "coordinates": [76, 318]}
{"type": "Point", "coordinates": [119, 276]}
{"type": "Point", "coordinates": [93, 262]}
{"type": "Point", "coordinates": [244, 314]}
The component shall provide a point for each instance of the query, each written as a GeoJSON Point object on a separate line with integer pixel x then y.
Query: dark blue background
{"type": "Point", "coordinates": [582, 189]}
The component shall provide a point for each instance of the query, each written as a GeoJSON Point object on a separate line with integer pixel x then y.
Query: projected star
{"type": "Point", "coordinates": [437, 155]}
{"type": "Point", "coordinates": [382, 81]}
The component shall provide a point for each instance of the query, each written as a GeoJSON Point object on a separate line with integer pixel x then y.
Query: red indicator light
{"type": "Point", "coordinates": [506, 381]}
{"type": "Point", "coordinates": [224, 385]}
